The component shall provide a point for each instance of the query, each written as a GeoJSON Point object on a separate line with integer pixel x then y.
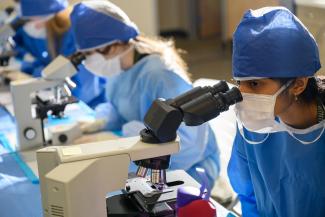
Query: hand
{"type": "Point", "coordinates": [92, 126]}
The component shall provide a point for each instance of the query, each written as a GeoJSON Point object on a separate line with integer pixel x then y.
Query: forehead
{"type": "Point", "coordinates": [257, 80]}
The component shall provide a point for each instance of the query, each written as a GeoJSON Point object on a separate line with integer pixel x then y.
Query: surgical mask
{"type": "Point", "coordinates": [102, 67]}
{"type": "Point", "coordinates": [256, 114]}
{"type": "Point", "coordinates": [36, 28]}
{"type": "Point", "coordinates": [35, 32]}
{"type": "Point", "coordinates": [256, 111]}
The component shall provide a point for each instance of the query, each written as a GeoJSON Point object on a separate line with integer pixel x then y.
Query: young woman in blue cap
{"type": "Point", "coordinates": [48, 35]}
{"type": "Point", "coordinates": [138, 71]}
{"type": "Point", "coordinates": [278, 158]}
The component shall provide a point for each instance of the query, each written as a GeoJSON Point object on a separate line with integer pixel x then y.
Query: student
{"type": "Point", "coordinates": [138, 71]}
{"type": "Point", "coordinates": [47, 35]}
{"type": "Point", "coordinates": [278, 158]}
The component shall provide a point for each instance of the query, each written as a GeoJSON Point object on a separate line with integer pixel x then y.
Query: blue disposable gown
{"type": "Point", "coordinates": [131, 93]}
{"type": "Point", "coordinates": [37, 47]}
{"type": "Point", "coordinates": [90, 88]}
{"type": "Point", "coordinates": [280, 177]}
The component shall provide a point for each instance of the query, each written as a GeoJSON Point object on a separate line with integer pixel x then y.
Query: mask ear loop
{"type": "Point", "coordinates": [307, 142]}
{"type": "Point", "coordinates": [283, 88]}
{"type": "Point", "coordinates": [241, 131]}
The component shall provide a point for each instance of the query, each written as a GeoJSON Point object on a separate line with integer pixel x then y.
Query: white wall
{"type": "Point", "coordinates": [174, 15]}
{"type": "Point", "coordinates": [5, 3]}
{"type": "Point", "coordinates": [143, 13]}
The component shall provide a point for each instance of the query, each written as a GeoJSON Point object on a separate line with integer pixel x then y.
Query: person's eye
{"type": "Point", "coordinates": [253, 84]}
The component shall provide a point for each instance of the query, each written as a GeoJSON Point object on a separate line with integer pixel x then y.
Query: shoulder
{"type": "Point", "coordinates": [150, 65]}
{"type": "Point", "coordinates": [154, 69]}
{"type": "Point", "coordinates": [157, 79]}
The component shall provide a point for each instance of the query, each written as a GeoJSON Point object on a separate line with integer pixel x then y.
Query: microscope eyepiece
{"type": "Point", "coordinates": [233, 96]}
{"type": "Point", "coordinates": [77, 58]}
{"type": "Point", "coordinates": [196, 92]}
{"type": "Point", "coordinates": [220, 87]}
{"type": "Point", "coordinates": [18, 23]}
{"type": "Point", "coordinates": [9, 10]}
{"type": "Point", "coordinates": [208, 106]}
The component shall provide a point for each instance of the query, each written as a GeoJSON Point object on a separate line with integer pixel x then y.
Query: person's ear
{"type": "Point", "coordinates": [298, 86]}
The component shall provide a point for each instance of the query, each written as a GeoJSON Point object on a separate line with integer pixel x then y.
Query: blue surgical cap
{"type": "Point", "coordinates": [35, 8]}
{"type": "Point", "coordinates": [98, 23]}
{"type": "Point", "coordinates": [271, 42]}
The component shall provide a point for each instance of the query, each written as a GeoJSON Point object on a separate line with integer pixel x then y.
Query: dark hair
{"type": "Point", "coordinates": [315, 88]}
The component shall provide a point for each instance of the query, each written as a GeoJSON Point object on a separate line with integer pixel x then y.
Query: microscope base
{"type": "Point", "coordinates": [138, 201]}
{"type": "Point", "coordinates": [122, 205]}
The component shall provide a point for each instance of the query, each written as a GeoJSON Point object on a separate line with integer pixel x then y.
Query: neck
{"type": "Point", "coordinates": [300, 115]}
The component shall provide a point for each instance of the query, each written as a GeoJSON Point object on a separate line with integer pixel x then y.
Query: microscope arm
{"type": "Point", "coordinates": [9, 29]}
{"type": "Point", "coordinates": [7, 44]}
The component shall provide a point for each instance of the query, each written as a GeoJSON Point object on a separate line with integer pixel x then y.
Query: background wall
{"type": "Point", "coordinates": [5, 3]}
{"type": "Point", "coordinates": [173, 15]}
{"type": "Point", "coordinates": [142, 12]}
{"type": "Point", "coordinates": [233, 11]}
{"type": "Point", "coordinates": [196, 18]}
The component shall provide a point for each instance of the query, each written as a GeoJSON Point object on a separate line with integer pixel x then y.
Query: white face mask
{"type": "Point", "coordinates": [256, 114]}
{"type": "Point", "coordinates": [36, 28]}
{"type": "Point", "coordinates": [256, 111]}
{"type": "Point", "coordinates": [100, 66]}
{"type": "Point", "coordinates": [35, 32]}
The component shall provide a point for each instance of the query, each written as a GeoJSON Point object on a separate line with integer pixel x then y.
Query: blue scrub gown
{"type": "Point", "coordinates": [280, 177]}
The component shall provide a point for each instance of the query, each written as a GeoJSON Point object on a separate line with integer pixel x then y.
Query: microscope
{"type": "Point", "coordinates": [35, 99]}
{"type": "Point", "coordinates": [7, 44]}
{"type": "Point", "coordinates": [75, 180]}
